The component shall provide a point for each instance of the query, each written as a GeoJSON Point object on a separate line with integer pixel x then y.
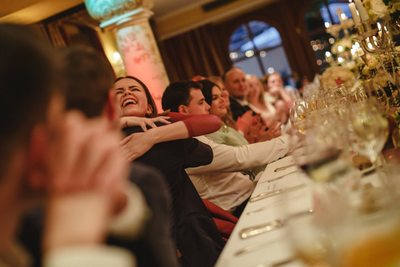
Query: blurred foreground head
{"type": "Point", "coordinates": [29, 106]}
{"type": "Point", "coordinates": [27, 80]}
{"type": "Point", "coordinates": [89, 77]}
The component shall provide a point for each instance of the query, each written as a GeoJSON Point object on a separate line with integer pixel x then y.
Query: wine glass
{"type": "Point", "coordinates": [369, 129]}
{"type": "Point", "coordinates": [298, 114]}
{"type": "Point", "coordinates": [309, 242]}
{"type": "Point", "coordinates": [307, 221]}
{"type": "Point", "coordinates": [320, 154]}
{"type": "Point", "coordinates": [369, 233]}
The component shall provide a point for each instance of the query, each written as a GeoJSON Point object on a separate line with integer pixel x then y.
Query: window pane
{"type": "Point", "coordinates": [333, 9]}
{"type": "Point", "coordinates": [238, 39]}
{"type": "Point", "coordinates": [276, 59]}
{"type": "Point", "coordinates": [265, 36]}
{"type": "Point", "coordinates": [250, 66]}
{"type": "Point", "coordinates": [269, 49]}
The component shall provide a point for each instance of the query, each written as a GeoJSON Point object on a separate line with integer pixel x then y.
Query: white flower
{"type": "Point", "coordinates": [335, 76]}
{"type": "Point", "coordinates": [379, 8]}
{"type": "Point", "coordinates": [394, 7]}
{"type": "Point", "coordinates": [376, 8]}
{"type": "Point", "coordinates": [345, 43]}
{"type": "Point", "coordinates": [372, 61]}
{"type": "Point", "coordinates": [381, 79]}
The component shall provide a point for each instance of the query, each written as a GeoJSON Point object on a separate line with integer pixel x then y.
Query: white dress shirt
{"type": "Point", "coordinates": [221, 181]}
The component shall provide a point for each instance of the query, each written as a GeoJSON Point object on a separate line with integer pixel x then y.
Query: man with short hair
{"type": "Point", "coordinates": [235, 82]}
{"type": "Point", "coordinates": [182, 102]}
{"type": "Point", "coordinates": [221, 181]}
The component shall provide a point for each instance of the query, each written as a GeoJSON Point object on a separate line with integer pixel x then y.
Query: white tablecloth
{"type": "Point", "coordinates": [272, 247]}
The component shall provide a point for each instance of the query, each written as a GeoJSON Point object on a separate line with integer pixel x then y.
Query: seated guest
{"type": "Point", "coordinates": [89, 79]}
{"type": "Point", "coordinates": [255, 97]}
{"type": "Point", "coordinates": [246, 124]}
{"type": "Point", "coordinates": [235, 83]}
{"type": "Point", "coordinates": [273, 85]}
{"type": "Point", "coordinates": [282, 115]}
{"type": "Point", "coordinates": [197, 238]}
{"type": "Point", "coordinates": [55, 159]}
{"type": "Point", "coordinates": [227, 135]}
{"type": "Point", "coordinates": [211, 180]}
{"type": "Point", "coordinates": [214, 98]}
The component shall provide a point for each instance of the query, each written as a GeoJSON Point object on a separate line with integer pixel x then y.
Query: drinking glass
{"type": "Point", "coordinates": [369, 233]}
{"type": "Point", "coordinates": [298, 115]}
{"type": "Point", "coordinates": [309, 242]}
{"type": "Point", "coordinates": [369, 129]}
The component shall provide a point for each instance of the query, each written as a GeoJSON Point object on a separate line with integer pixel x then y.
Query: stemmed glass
{"type": "Point", "coordinates": [298, 114]}
{"type": "Point", "coordinates": [368, 234]}
{"type": "Point", "coordinates": [369, 129]}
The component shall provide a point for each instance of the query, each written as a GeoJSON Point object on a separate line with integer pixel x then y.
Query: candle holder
{"type": "Point", "coordinates": [376, 39]}
{"type": "Point", "coordinates": [373, 40]}
{"type": "Point", "coordinates": [393, 23]}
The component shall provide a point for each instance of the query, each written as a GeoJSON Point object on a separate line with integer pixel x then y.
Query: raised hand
{"type": "Point", "coordinates": [245, 121]}
{"type": "Point", "coordinates": [135, 145]}
{"type": "Point", "coordinates": [273, 131]}
{"type": "Point", "coordinates": [143, 122]}
{"type": "Point", "coordinates": [86, 174]}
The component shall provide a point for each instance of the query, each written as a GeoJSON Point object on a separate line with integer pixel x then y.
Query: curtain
{"type": "Point", "coordinates": [192, 53]}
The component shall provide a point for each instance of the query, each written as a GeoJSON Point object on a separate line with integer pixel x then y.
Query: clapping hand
{"type": "Point", "coordinates": [86, 176]}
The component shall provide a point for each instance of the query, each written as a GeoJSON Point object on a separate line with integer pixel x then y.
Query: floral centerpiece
{"type": "Point", "coordinates": [384, 9]}
{"type": "Point", "coordinates": [376, 8]}
{"type": "Point", "coordinates": [336, 76]}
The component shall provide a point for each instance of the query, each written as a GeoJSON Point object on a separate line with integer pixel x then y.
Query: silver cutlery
{"type": "Point", "coordinates": [254, 247]}
{"type": "Point", "coordinates": [268, 194]}
{"type": "Point", "coordinates": [280, 177]}
{"type": "Point", "coordinates": [269, 226]}
{"type": "Point", "coordinates": [282, 262]}
{"type": "Point", "coordinates": [277, 264]}
{"type": "Point", "coordinates": [260, 229]}
{"type": "Point", "coordinates": [256, 210]}
{"type": "Point", "coordinates": [284, 167]}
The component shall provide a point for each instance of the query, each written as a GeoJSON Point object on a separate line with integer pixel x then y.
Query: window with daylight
{"type": "Point", "coordinates": [256, 47]}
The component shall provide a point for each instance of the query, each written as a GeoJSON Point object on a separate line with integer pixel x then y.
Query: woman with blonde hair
{"type": "Point", "coordinates": [255, 97]}
{"type": "Point", "coordinates": [273, 85]}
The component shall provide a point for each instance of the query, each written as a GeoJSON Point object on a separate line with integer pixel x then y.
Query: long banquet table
{"type": "Point", "coordinates": [270, 248]}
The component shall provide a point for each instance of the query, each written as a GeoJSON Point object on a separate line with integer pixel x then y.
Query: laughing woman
{"type": "Point", "coordinates": [197, 238]}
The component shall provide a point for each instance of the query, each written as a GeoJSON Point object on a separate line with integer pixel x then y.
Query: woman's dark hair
{"type": "Point", "coordinates": [150, 100]}
{"type": "Point", "coordinates": [207, 87]}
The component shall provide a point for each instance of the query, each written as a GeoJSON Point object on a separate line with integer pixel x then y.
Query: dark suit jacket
{"type": "Point", "coordinates": [153, 248]}
{"type": "Point", "coordinates": [195, 232]}
{"type": "Point", "coordinates": [237, 109]}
